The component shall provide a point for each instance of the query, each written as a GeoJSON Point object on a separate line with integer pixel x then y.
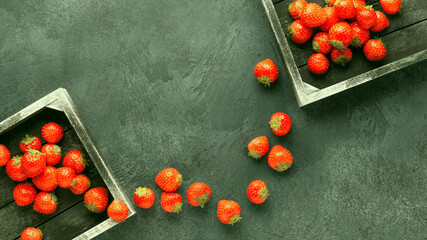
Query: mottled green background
{"type": "Point", "coordinates": [170, 84]}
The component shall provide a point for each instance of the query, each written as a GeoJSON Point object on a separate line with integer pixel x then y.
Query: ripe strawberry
{"type": "Point", "coordinates": [33, 163]}
{"type": "Point", "coordinates": [31, 234]}
{"type": "Point", "coordinates": [228, 212]}
{"type": "Point", "coordinates": [46, 181]}
{"type": "Point", "coordinates": [80, 184]}
{"type": "Point", "coordinates": [279, 158]}
{"type": "Point", "coordinates": [340, 35]}
{"type": "Point", "coordinates": [75, 160]}
{"type": "Point", "coordinates": [45, 203]}
{"type": "Point", "coordinates": [345, 9]}
{"type": "Point", "coordinates": [52, 132]}
{"type": "Point", "coordinates": [318, 64]}
{"type": "Point", "coordinates": [14, 169]}
{"type": "Point", "coordinates": [198, 194]}
{"type": "Point", "coordinates": [65, 176]}
{"type": "Point", "coordinates": [96, 199]}
{"type": "Point", "coordinates": [118, 211]}
{"type": "Point", "coordinates": [4, 155]}
{"type": "Point", "coordinates": [381, 23]}
{"type": "Point", "coordinates": [53, 154]}
{"type": "Point", "coordinates": [171, 202]}
{"type": "Point", "coordinates": [359, 4]}
{"type": "Point", "coordinates": [258, 147]}
{"type": "Point", "coordinates": [169, 179]}
{"type": "Point", "coordinates": [30, 142]}
{"type": "Point", "coordinates": [341, 57]}
{"type": "Point", "coordinates": [330, 2]}
{"type": "Point", "coordinates": [299, 33]}
{"type": "Point", "coordinates": [144, 197]}
{"type": "Point", "coordinates": [321, 43]}
{"type": "Point", "coordinates": [280, 123]}
{"type": "Point", "coordinates": [331, 19]}
{"type": "Point", "coordinates": [266, 72]}
{"type": "Point", "coordinates": [375, 50]}
{"type": "Point", "coordinates": [391, 6]}
{"type": "Point", "coordinates": [257, 192]}
{"type": "Point", "coordinates": [360, 35]}
{"type": "Point", "coordinates": [313, 15]}
{"type": "Point", "coordinates": [24, 194]}
{"type": "Point", "coordinates": [366, 17]}
{"type": "Point", "coordinates": [296, 7]}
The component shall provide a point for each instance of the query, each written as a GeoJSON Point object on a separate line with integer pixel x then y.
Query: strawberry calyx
{"type": "Point", "coordinates": [83, 161]}
{"type": "Point", "coordinates": [342, 60]}
{"type": "Point", "coordinates": [316, 46]}
{"type": "Point", "coordinates": [235, 219]}
{"type": "Point", "coordinates": [179, 179]}
{"type": "Point", "coordinates": [263, 193]}
{"type": "Point", "coordinates": [91, 207]}
{"type": "Point", "coordinates": [141, 191]}
{"type": "Point", "coordinates": [291, 31]}
{"type": "Point", "coordinates": [57, 150]}
{"type": "Point", "coordinates": [35, 152]}
{"type": "Point", "coordinates": [275, 123]}
{"type": "Point", "coordinates": [337, 44]}
{"type": "Point", "coordinates": [356, 42]}
{"type": "Point", "coordinates": [17, 160]}
{"type": "Point", "coordinates": [380, 40]}
{"type": "Point", "coordinates": [40, 232]}
{"type": "Point", "coordinates": [53, 198]}
{"type": "Point", "coordinates": [27, 139]}
{"type": "Point", "coordinates": [203, 199]}
{"type": "Point", "coordinates": [282, 167]}
{"type": "Point", "coordinates": [254, 154]}
{"type": "Point", "coordinates": [177, 207]}
{"type": "Point", "coordinates": [264, 80]}
{"type": "Point", "coordinates": [369, 7]}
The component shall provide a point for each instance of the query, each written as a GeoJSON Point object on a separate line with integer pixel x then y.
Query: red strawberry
{"type": "Point", "coordinates": [53, 154]}
{"type": "Point", "coordinates": [330, 2]}
{"type": "Point", "coordinates": [45, 203]}
{"type": "Point", "coordinates": [391, 6]}
{"type": "Point", "coordinates": [359, 4]}
{"type": "Point", "coordinates": [75, 160]}
{"type": "Point", "coordinates": [296, 7]}
{"type": "Point", "coordinates": [345, 9]}
{"type": "Point", "coordinates": [258, 147]}
{"type": "Point", "coordinates": [331, 19]}
{"type": "Point", "coordinates": [118, 211]}
{"type": "Point", "coordinates": [96, 199]}
{"type": "Point", "coordinates": [366, 17]}
{"type": "Point", "coordinates": [198, 194]}
{"type": "Point", "coordinates": [14, 169]}
{"type": "Point", "coordinates": [52, 132]}
{"type": "Point", "coordinates": [31, 234]}
{"type": "Point", "coordinates": [341, 57]}
{"type": "Point", "coordinates": [30, 142]}
{"type": "Point", "coordinates": [279, 158]}
{"type": "Point", "coordinates": [80, 184]}
{"type": "Point", "coordinates": [360, 35]}
{"type": "Point", "coordinates": [299, 33]}
{"type": "Point", "coordinates": [24, 194]}
{"type": "Point", "coordinates": [228, 212]}
{"type": "Point", "coordinates": [144, 197]}
{"type": "Point", "coordinates": [257, 192]}
{"type": "Point", "coordinates": [266, 72]}
{"type": "Point", "coordinates": [33, 163]}
{"type": "Point", "coordinates": [280, 123]}
{"type": "Point", "coordinates": [171, 202]}
{"type": "Point", "coordinates": [46, 181]}
{"type": "Point", "coordinates": [169, 179]}
{"type": "Point", "coordinates": [321, 43]}
{"type": "Point", "coordinates": [381, 23]}
{"type": "Point", "coordinates": [318, 64]}
{"type": "Point", "coordinates": [65, 176]}
{"type": "Point", "coordinates": [313, 15]}
{"type": "Point", "coordinates": [4, 155]}
{"type": "Point", "coordinates": [340, 35]}
{"type": "Point", "coordinates": [375, 50]}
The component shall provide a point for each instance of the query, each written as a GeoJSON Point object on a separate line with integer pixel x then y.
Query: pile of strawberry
{"type": "Point", "coordinates": [342, 23]}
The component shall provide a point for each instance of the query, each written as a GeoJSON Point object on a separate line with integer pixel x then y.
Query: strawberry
{"type": "Point", "coordinates": [30, 142]}
{"type": "Point", "coordinates": [45, 203]}
{"type": "Point", "coordinates": [4, 155]}
{"type": "Point", "coordinates": [331, 19]}
{"type": "Point", "coordinates": [228, 212]}
{"type": "Point", "coordinates": [169, 179]}
{"type": "Point", "coordinates": [258, 147]}
{"type": "Point", "coordinates": [280, 123]}
{"type": "Point", "coordinates": [24, 194]}
{"type": "Point", "coordinates": [366, 17]}
{"type": "Point", "coordinates": [299, 33]}
{"type": "Point", "coordinates": [31, 234]}
{"type": "Point", "coordinates": [340, 35]}
{"type": "Point", "coordinates": [359, 4]}
{"type": "Point", "coordinates": [198, 194]}
{"type": "Point", "coordinates": [257, 192]}
{"type": "Point", "coordinates": [341, 57]}
{"type": "Point", "coordinates": [391, 6]}
{"type": "Point", "coordinates": [53, 154]}
{"type": "Point", "coordinates": [296, 7]}
{"type": "Point", "coordinates": [321, 43]}
{"type": "Point", "coordinates": [171, 202]}
{"type": "Point", "coordinates": [65, 176]}
{"type": "Point", "coordinates": [96, 199]}
{"type": "Point", "coordinates": [46, 181]}
{"type": "Point", "coordinates": [345, 9]}
{"type": "Point", "coordinates": [75, 160]}
{"type": "Point", "coordinates": [279, 158]}
{"type": "Point", "coordinates": [330, 2]}
{"type": "Point", "coordinates": [33, 163]}
{"type": "Point", "coordinates": [266, 72]}
{"type": "Point", "coordinates": [360, 35]}
{"type": "Point", "coordinates": [318, 64]}
{"type": "Point", "coordinates": [118, 211]}
{"type": "Point", "coordinates": [14, 169]}
{"type": "Point", "coordinates": [52, 132]}
{"type": "Point", "coordinates": [313, 15]}
{"type": "Point", "coordinates": [80, 184]}
{"type": "Point", "coordinates": [381, 23]}
{"type": "Point", "coordinates": [144, 197]}
{"type": "Point", "coordinates": [375, 50]}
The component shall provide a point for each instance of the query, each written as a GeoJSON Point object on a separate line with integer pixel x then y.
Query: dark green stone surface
{"type": "Point", "coordinates": [170, 84]}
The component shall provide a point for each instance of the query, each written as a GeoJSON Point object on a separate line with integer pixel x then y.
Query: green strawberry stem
{"type": "Point", "coordinates": [202, 200]}
{"type": "Point", "coordinates": [264, 80]}
{"type": "Point", "coordinates": [234, 219]}
{"type": "Point", "coordinates": [342, 60]}
{"type": "Point", "coordinates": [177, 207]}
{"type": "Point", "coordinates": [179, 179]}
{"type": "Point", "coordinates": [254, 154]}
{"type": "Point", "coordinates": [275, 123]}
{"type": "Point", "coordinates": [263, 192]}
{"type": "Point", "coordinates": [35, 152]}
{"type": "Point", "coordinates": [141, 191]}
{"type": "Point", "coordinates": [356, 42]}
{"type": "Point", "coordinates": [282, 167]}
{"type": "Point", "coordinates": [28, 139]}
{"type": "Point", "coordinates": [91, 207]}
{"type": "Point", "coordinates": [337, 44]}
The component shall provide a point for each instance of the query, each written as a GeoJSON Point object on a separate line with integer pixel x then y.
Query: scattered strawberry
{"type": "Point", "coordinates": [360, 35]}
{"type": "Point", "coordinates": [280, 123]}
{"type": "Point", "coordinates": [345, 9]}
{"type": "Point", "coordinates": [171, 202]}
{"type": "Point", "coordinates": [375, 50]}
{"type": "Point", "coordinates": [169, 179]}
{"type": "Point", "coordinates": [381, 23]}
{"type": "Point", "coordinates": [33, 163]}
{"type": "Point", "coordinates": [144, 197]}
{"type": "Point", "coordinates": [228, 212]}
{"type": "Point", "coordinates": [258, 147]}
{"type": "Point", "coordinates": [31, 234]}
{"type": "Point", "coordinates": [266, 72]}
{"type": "Point", "coordinates": [75, 160]}
{"type": "Point", "coordinates": [80, 184]}
{"type": "Point", "coordinates": [46, 181]}
{"type": "Point", "coordinates": [14, 169]}
{"type": "Point", "coordinates": [4, 155]}
{"type": "Point", "coordinates": [257, 192]}
{"type": "Point", "coordinates": [299, 33]}
{"type": "Point", "coordinates": [279, 158]}
{"type": "Point", "coordinates": [30, 142]}
{"type": "Point", "coordinates": [118, 211]}
{"type": "Point", "coordinates": [45, 203]}
{"type": "Point", "coordinates": [312, 15]}
{"type": "Point", "coordinates": [321, 43]}
{"type": "Point", "coordinates": [391, 6]}
{"type": "Point", "coordinates": [198, 194]}
{"type": "Point", "coordinates": [53, 154]}
{"type": "Point", "coordinates": [65, 176]}
{"type": "Point", "coordinates": [296, 7]}
{"type": "Point", "coordinates": [341, 57]}
{"type": "Point", "coordinates": [331, 19]}
{"type": "Point", "coordinates": [340, 35]}
{"type": "Point", "coordinates": [24, 194]}
{"type": "Point", "coordinates": [96, 199]}
{"type": "Point", "coordinates": [318, 64]}
{"type": "Point", "coordinates": [52, 132]}
{"type": "Point", "coordinates": [366, 17]}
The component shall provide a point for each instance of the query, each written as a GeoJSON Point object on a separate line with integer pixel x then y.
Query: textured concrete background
{"type": "Point", "coordinates": [170, 84]}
